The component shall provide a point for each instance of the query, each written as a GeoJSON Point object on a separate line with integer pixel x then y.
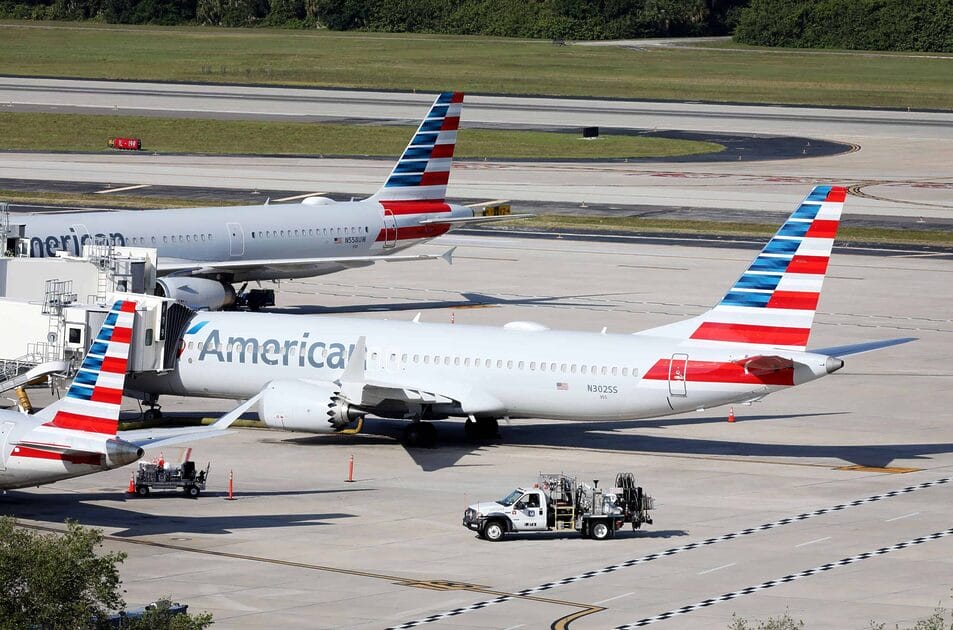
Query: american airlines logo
{"type": "Point", "coordinates": [300, 352]}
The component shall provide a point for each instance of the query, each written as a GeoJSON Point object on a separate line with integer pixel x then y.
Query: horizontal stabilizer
{"type": "Point", "coordinates": [151, 438]}
{"type": "Point", "coordinates": [477, 220]}
{"type": "Point", "coordinates": [860, 348]}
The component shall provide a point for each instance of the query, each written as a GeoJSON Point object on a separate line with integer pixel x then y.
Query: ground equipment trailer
{"type": "Point", "coordinates": [560, 503]}
{"type": "Point", "coordinates": [152, 476]}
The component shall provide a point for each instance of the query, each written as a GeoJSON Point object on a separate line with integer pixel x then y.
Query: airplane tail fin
{"type": "Point", "coordinates": [92, 403]}
{"type": "Point", "coordinates": [773, 302]}
{"type": "Point", "coordinates": [423, 169]}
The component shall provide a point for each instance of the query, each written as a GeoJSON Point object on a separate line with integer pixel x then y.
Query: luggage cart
{"type": "Point", "coordinates": [150, 476]}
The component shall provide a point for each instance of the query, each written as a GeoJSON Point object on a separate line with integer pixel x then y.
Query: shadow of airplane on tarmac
{"type": "Point", "coordinates": [623, 436]}
{"type": "Point", "coordinates": [58, 507]}
{"type": "Point", "coordinates": [470, 300]}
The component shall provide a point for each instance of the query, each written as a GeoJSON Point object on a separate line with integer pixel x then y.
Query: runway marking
{"type": "Point", "coordinates": [784, 580]}
{"type": "Point", "coordinates": [124, 188]}
{"type": "Point", "coordinates": [724, 566]}
{"type": "Point", "coordinates": [616, 597]}
{"type": "Point", "coordinates": [673, 551]}
{"type": "Point", "coordinates": [897, 518]}
{"type": "Point", "coordinates": [811, 542]}
{"type": "Point", "coordinates": [896, 470]}
{"type": "Point", "coordinates": [311, 194]}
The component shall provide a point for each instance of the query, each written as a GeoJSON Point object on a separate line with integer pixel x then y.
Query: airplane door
{"type": "Point", "coordinates": [5, 429]}
{"type": "Point", "coordinates": [390, 229]}
{"type": "Point", "coordinates": [236, 239]}
{"type": "Point", "coordinates": [677, 374]}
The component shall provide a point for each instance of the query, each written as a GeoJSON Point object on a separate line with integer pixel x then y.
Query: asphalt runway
{"type": "Point", "coordinates": [829, 501]}
{"type": "Point", "coordinates": [899, 165]}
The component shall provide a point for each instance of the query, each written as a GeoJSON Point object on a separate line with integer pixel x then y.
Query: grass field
{"type": "Point", "coordinates": [74, 132]}
{"type": "Point", "coordinates": [475, 64]}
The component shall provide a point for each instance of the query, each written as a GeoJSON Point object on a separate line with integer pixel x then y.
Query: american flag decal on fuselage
{"type": "Point", "coordinates": [774, 301]}
{"type": "Point", "coordinates": [93, 401]}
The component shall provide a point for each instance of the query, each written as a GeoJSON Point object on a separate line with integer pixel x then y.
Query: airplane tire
{"type": "Point", "coordinates": [488, 428]}
{"type": "Point", "coordinates": [152, 414]}
{"type": "Point", "coordinates": [420, 434]}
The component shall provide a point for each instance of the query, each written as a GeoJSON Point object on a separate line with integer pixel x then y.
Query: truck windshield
{"type": "Point", "coordinates": [511, 498]}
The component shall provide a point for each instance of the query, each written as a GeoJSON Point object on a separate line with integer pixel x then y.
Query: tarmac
{"type": "Point", "coordinates": [830, 502]}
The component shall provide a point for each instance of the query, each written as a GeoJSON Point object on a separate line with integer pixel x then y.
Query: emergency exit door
{"type": "Point", "coordinates": [236, 239]}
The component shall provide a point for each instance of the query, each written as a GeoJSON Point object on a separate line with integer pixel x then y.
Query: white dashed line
{"type": "Point", "coordinates": [811, 542]}
{"type": "Point", "coordinates": [897, 518]}
{"type": "Point", "coordinates": [112, 190]}
{"type": "Point", "coordinates": [616, 597]}
{"type": "Point", "coordinates": [724, 566]}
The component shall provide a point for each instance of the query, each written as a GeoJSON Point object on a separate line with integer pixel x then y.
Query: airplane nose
{"type": "Point", "coordinates": [833, 364]}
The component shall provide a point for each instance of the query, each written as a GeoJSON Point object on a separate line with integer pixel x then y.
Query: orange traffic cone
{"type": "Point", "coordinates": [132, 484]}
{"type": "Point", "coordinates": [731, 414]}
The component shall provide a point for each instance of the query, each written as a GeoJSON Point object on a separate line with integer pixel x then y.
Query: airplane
{"type": "Point", "coordinates": [203, 251]}
{"type": "Point", "coordinates": [323, 374]}
{"type": "Point", "coordinates": [77, 435]}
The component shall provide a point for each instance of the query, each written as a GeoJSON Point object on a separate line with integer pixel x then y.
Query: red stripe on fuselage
{"type": "Point", "coordinates": [79, 422]}
{"type": "Point", "coordinates": [90, 459]}
{"type": "Point", "coordinates": [415, 207]}
{"type": "Point", "coordinates": [808, 264]}
{"type": "Point", "coordinates": [822, 228]}
{"type": "Point", "coordinates": [749, 333]}
{"type": "Point", "coordinates": [801, 300]}
{"type": "Point", "coordinates": [717, 372]}
{"type": "Point", "coordinates": [430, 230]}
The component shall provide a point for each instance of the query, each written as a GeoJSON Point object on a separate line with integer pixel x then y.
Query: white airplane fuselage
{"type": "Point", "coordinates": [235, 233]}
{"type": "Point", "coordinates": [517, 371]}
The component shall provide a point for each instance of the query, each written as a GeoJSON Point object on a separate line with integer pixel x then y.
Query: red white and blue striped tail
{"type": "Point", "coordinates": [92, 403]}
{"type": "Point", "coordinates": [773, 303]}
{"type": "Point", "coordinates": [422, 172]}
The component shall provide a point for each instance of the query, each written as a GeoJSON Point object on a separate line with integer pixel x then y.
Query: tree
{"type": "Point", "coordinates": [58, 581]}
{"type": "Point", "coordinates": [55, 581]}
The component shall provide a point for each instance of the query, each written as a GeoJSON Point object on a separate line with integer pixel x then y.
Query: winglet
{"type": "Point", "coordinates": [354, 371]}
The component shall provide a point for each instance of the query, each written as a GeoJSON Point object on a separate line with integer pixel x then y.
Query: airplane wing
{"type": "Point", "coordinates": [151, 438]}
{"type": "Point", "coordinates": [198, 268]}
{"type": "Point", "coordinates": [476, 220]}
{"type": "Point", "coordinates": [860, 348]}
{"type": "Point", "coordinates": [360, 390]}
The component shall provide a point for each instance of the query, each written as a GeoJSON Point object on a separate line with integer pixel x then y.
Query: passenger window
{"type": "Point", "coordinates": [403, 358]}
{"type": "Point", "coordinates": [426, 359]}
{"type": "Point", "coordinates": [542, 366]}
{"type": "Point", "coordinates": [509, 365]}
{"type": "Point", "coordinates": [532, 366]}
{"type": "Point", "coordinates": [625, 371]}
{"type": "Point", "coordinates": [582, 369]}
{"type": "Point", "coordinates": [499, 363]}
{"type": "Point", "coordinates": [572, 368]}
{"type": "Point", "coordinates": [615, 371]}
{"type": "Point", "coordinates": [466, 362]}
{"type": "Point", "coordinates": [521, 365]}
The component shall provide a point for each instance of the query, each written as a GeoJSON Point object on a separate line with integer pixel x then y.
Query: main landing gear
{"type": "Point", "coordinates": [482, 428]}
{"type": "Point", "coordinates": [154, 412]}
{"type": "Point", "coordinates": [420, 434]}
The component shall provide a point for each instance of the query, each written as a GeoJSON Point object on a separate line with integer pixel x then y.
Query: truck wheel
{"type": "Point", "coordinates": [193, 491]}
{"type": "Point", "coordinates": [493, 531]}
{"type": "Point", "coordinates": [142, 491]}
{"type": "Point", "coordinates": [600, 531]}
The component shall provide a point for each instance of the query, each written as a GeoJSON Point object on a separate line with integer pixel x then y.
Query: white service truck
{"type": "Point", "coordinates": [557, 502]}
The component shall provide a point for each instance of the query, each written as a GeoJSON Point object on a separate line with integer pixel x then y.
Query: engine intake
{"type": "Point", "coordinates": [307, 407]}
{"type": "Point", "coordinates": [200, 294]}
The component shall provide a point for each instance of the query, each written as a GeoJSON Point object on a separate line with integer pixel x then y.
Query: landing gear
{"type": "Point", "coordinates": [422, 434]}
{"type": "Point", "coordinates": [153, 413]}
{"type": "Point", "coordinates": [482, 429]}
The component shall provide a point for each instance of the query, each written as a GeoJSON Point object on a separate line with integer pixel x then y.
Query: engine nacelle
{"type": "Point", "coordinates": [309, 407]}
{"type": "Point", "coordinates": [200, 294]}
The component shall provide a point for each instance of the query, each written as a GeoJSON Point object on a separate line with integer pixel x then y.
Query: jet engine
{"type": "Point", "coordinates": [308, 407]}
{"type": "Point", "coordinates": [200, 294]}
